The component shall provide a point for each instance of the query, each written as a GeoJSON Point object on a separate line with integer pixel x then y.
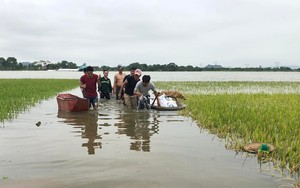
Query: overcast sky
{"type": "Point", "coordinates": [231, 33]}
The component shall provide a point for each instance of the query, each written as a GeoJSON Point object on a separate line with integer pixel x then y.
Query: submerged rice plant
{"type": "Point", "coordinates": [230, 87]}
{"type": "Point", "coordinates": [17, 94]}
{"type": "Point", "coordinates": [234, 112]}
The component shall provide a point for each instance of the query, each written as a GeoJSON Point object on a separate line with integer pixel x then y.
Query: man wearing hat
{"type": "Point", "coordinates": [130, 98]}
{"type": "Point", "coordinates": [118, 81]}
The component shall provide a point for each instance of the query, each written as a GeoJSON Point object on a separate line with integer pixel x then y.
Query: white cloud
{"type": "Point", "coordinates": [230, 32]}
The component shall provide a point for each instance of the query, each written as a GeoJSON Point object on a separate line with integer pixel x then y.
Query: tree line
{"type": "Point", "coordinates": [11, 63]}
{"type": "Point", "coordinates": [174, 67]}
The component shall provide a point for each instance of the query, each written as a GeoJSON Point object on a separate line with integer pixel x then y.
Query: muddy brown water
{"type": "Point", "coordinates": [117, 147]}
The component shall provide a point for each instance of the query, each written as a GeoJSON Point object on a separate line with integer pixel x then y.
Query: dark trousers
{"type": "Point", "coordinates": [105, 95]}
{"type": "Point", "coordinates": [117, 93]}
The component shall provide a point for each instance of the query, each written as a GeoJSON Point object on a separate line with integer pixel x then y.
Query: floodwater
{"type": "Point", "coordinates": [169, 76]}
{"type": "Point", "coordinates": [116, 147]}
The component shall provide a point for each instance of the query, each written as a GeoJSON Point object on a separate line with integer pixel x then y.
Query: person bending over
{"type": "Point", "coordinates": [142, 89]}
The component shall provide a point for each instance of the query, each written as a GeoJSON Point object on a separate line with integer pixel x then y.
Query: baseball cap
{"type": "Point", "coordinates": [138, 72]}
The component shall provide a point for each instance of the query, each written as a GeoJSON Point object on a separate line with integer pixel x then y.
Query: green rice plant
{"type": "Point", "coordinates": [268, 115]}
{"type": "Point", "coordinates": [18, 94]}
{"type": "Point", "coordinates": [230, 87]}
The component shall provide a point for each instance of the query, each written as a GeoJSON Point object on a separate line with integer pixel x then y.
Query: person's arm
{"type": "Point", "coordinates": [99, 82]}
{"type": "Point", "coordinates": [137, 93]}
{"type": "Point", "coordinates": [122, 87]}
{"type": "Point", "coordinates": [98, 79]}
{"type": "Point", "coordinates": [125, 78]}
{"type": "Point", "coordinates": [115, 85]}
{"type": "Point", "coordinates": [82, 84]}
{"type": "Point", "coordinates": [110, 88]}
{"type": "Point", "coordinates": [156, 94]}
{"type": "Point", "coordinates": [136, 90]}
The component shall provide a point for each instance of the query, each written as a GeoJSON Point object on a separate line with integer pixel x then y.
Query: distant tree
{"type": "Point", "coordinates": [20, 66]}
{"type": "Point", "coordinates": [154, 67]}
{"type": "Point", "coordinates": [104, 67]}
{"type": "Point", "coordinates": [285, 69]}
{"type": "Point", "coordinates": [189, 68]}
{"type": "Point", "coordinates": [136, 64]}
{"type": "Point", "coordinates": [143, 67]}
{"type": "Point", "coordinates": [11, 63]}
{"type": "Point", "coordinates": [63, 64]}
{"type": "Point", "coordinates": [67, 65]}
{"type": "Point", "coordinates": [2, 62]}
{"type": "Point", "coordinates": [52, 66]}
{"type": "Point", "coordinates": [171, 67]}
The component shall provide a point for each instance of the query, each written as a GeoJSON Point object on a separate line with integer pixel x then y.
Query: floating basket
{"type": "Point", "coordinates": [72, 103]}
{"type": "Point", "coordinates": [256, 147]}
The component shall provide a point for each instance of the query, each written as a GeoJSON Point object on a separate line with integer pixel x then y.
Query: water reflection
{"type": "Point", "coordinates": [139, 126]}
{"type": "Point", "coordinates": [86, 122]}
{"type": "Point", "coordinates": [113, 118]}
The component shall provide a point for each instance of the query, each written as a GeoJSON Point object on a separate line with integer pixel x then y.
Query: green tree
{"type": "Point", "coordinates": [11, 63]}
{"type": "Point", "coordinates": [172, 67]}
{"type": "Point", "coordinates": [52, 66]}
{"type": "Point", "coordinates": [136, 65]}
{"type": "Point", "coordinates": [2, 62]}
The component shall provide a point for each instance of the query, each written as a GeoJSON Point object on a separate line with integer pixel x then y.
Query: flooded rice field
{"type": "Point", "coordinates": [117, 147]}
{"type": "Point", "coordinates": [169, 76]}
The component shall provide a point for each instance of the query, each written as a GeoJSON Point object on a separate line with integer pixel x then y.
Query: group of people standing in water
{"type": "Point", "coordinates": [129, 88]}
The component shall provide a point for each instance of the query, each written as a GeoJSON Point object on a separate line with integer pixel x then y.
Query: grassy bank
{"type": "Point", "coordinates": [17, 94]}
{"type": "Point", "coordinates": [245, 112]}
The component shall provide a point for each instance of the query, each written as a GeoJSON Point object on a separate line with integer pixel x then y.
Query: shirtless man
{"type": "Point", "coordinates": [118, 81]}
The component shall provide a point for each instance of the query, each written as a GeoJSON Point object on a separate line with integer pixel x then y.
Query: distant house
{"type": "Point", "coordinates": [43, 64]}
{"type": "Point", "coordinates": [80, 68]}
{"type": "Point", "coordinates": [25, 64]}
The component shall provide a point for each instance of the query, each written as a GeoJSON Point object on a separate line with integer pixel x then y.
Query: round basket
{"type": "Point", "coordinates": [254, 147]}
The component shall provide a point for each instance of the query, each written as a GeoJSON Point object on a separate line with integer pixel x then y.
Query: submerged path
{"type": "Point", "coordinates": [116, 147]}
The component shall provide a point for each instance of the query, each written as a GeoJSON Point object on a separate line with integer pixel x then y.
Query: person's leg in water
{"type": "Point", "coordinates": [107, 96]}
{"type": "Point", "coordinates": [127, 100]}
{"type": "Point", "coordinates": [93, 103]}
{"type": "Point", "coordinates": [133, 101]}
{"type": "Point", "coordinates": [117, 96]}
